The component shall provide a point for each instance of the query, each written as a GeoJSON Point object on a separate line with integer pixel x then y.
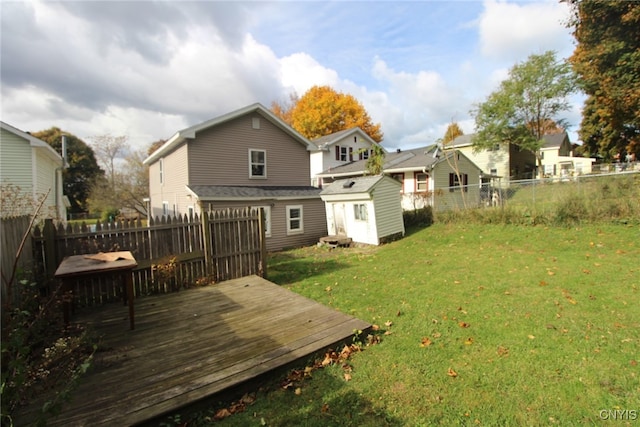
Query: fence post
{"type": "Point", "coordinates": [50, 252]}
{"type": "Point", "coordinates": [263, 244]}
{"type": "Point", "coordinates": [206, 242]}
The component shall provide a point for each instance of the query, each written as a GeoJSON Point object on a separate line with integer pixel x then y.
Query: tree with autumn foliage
{"type": "Point", "coordinates": [322, 111]}
{"type": "Point", "coordinates": [607, 59]}
{"type": "Point", "coordinates": [453, 131]}
{"type": "Point", "coordinates": [520, 110]}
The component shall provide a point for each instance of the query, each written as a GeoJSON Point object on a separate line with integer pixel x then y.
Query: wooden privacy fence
{"type": "Point", "coordinates": [172, 252]}
{"type": "Point", "coordinates": [12, 230]}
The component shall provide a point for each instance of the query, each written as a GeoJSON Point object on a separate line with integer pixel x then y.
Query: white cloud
{"type": "Point", "coordinates": [300, 72]}
{"type": "Point", "coordinates": [512, 31]}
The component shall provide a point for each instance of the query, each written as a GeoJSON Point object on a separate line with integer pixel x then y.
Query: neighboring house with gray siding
{"type": "Point", "coordinates": [246, 158]}
{"type": "Point", "coordinates": [34, 168]}
{"type": "Point", "coordinates": [429, 177]}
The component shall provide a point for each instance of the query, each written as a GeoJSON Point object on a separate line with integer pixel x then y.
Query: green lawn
{"type": "Point", "coordinates": [479, 325]}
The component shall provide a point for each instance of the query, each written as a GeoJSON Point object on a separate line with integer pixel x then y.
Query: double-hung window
{"type": "Point", "coordinates": [267, 219]}
{"type": "Point", "coordinates": [455, 184]}
{"type": "Point", "coordinates": [295, 224]}
{"type": "Point", "coordinates": [360, 212]}
{"type": "Point", "coordinates": [257, 163]}
{"type": "Point", "coordinates": [422, 182]}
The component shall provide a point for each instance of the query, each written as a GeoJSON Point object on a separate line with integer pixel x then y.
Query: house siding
{"type": "Point", "coordinates": [488, 160]}
{"type": "Point", "coordinates": [173, 189]}
{"type": "Point", "coordinates": [15, 162]}
{"type": "Point", "coordinates": [445, 199]}
{"type": "Point", "coordinates": [220, 155]}
{"type": "Point", "coordinates": [35, 170]}
{"type": "Point", "coordinates": [313, 216]}
{"type": "Point", "coordinates": [388, 209]}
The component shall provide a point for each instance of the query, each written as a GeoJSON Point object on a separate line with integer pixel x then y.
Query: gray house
{"type": "Point", "coordinates": [246, 158]}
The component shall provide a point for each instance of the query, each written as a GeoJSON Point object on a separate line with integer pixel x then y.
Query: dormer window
{"type": "Point", "coordinates": [344, 154]}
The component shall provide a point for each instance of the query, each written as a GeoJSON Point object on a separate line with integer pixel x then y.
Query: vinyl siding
{"type": "Point", "coordinates": [445, 199]}
{"type": "Point", "coordinates": [313, 216]}
{"type": "Point", "coordinates": [220, 155]}
{"type": "Point", "coordinates": [15, 162]}
{"type": "Point", "coordinates": [173, 188]}
{"type": "Point", "coordinates": [488, 160]}
{"type": "Point", "coordinates": [388, 209]}
{"type": "Point", "coordinates": [45, 173]}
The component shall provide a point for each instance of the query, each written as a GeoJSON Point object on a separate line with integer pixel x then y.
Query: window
{"type": "Point", "coordinates": [494, 171]}
{"type": "Point", "coordinates": [454, 182]}
{"type": "Point", "coordinates": [267, 219]}
{"type": "Point", "coordinates": [165, 208]}
{"type": "Point", "coordinates": [363, 154]}
{"type": "Point", "coordinates": [422, 182]}
{"type": "Point", "coordinates": [496, 147]}
{"type": "Point", "coordinates": [294, 220]}
{"type": "Point", "coordinates": [190, 211]}
{"type": "Point", "coordinates": [161, 171]}
{"type": "Point", "coordinates": [257, 164]}
{"type": "Point", "coordinates": [360, 212]}
{"type": "Point", "coordinates": [344, 154]}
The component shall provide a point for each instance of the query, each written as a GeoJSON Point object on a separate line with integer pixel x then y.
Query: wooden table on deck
{"type": "Point", "coordinates": [78, 266]}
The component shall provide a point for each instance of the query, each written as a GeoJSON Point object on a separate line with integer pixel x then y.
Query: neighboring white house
{"type": "Point", "coordinates": [338, 149]}
{"type": "Point", "coordinates": [366, 209]}
{"type": "Point", "coordinates": [558, 160]}
{"type": "Point", "coordinates": [35, 168]}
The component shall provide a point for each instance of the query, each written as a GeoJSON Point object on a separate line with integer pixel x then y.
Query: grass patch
{"type": "Point", "coordinates": [487, 324]}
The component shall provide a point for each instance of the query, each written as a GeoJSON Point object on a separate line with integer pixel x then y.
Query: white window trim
{"type": "Point", "coordinates": [425, 182]}
{"type": "Point", "coordinates": [300, 230]}
{"type": "Point", "coordinates": [360, 212]}
{"type": "Point", "coordinates": [267, 218]}
{"type": "Point", "coordinates": [251, 175]}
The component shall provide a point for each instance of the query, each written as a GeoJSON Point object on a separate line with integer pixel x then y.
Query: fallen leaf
{"type": "Point", "coordinates": [222, 413]}
{"type": "Point", "coordinates": [452, 373]}
{"type": "Point", "coordinates": [347, 376]}
{"type": "Point", "coordinates": [586, 271]}
{"type": "Point", "coordinates": [502, 351]}
{"type": "Point", "coordinates": [298, 391]}
{"type": "Point", "coordinates": [328, 289]}
{"type": "Point", "coordinates": [531, 337]}
{"type": "Point", "coordinates": [375, 327]}
{"type": "Point", "coordinates": [634, 363]}
{"type": "Point", "coordinates": [388, 323]}
{"type": "Point", "coordinates": [543, 283]}
{"type": "Point", "coordinates": [468, 341]}
{"type": "Point", "coordinates": [325, 408]}
{"type": "Point", "coordinates": [426, 342]}
{"type": "Point", "coordinates": [463, 324]}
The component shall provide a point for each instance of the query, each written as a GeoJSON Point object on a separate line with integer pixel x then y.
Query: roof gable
{"type": "Point", "coordinates": [190, 133]}
{"type": "Point", "coordinates": [33, 141]}
{"type": "Point", "coordinates": [324, 142]}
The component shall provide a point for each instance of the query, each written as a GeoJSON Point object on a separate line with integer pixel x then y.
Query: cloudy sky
{"type": "Point", "coordinates": [148, 69]}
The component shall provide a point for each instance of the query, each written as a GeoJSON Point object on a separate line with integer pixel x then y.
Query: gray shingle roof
{"type": "Point", "coordinates": [361, 184]}
{"type": "Point", "coordinates": [416, 158]}
{"type": "Point", "coordinates": [240, 192]}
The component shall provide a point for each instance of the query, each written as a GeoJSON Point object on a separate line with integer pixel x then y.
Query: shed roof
{"type": "Point", "coordinates": [357, 185]}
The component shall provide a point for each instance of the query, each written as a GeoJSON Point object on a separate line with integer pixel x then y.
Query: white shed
{"type": "Point", "coordinates": [366, 209]}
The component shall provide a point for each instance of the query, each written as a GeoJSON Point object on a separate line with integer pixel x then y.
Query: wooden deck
{"type": "Point", "coordinates": [196, 343]}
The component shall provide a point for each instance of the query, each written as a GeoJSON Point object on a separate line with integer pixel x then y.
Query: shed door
{"type": "Point", "coordinates": [338, 218]}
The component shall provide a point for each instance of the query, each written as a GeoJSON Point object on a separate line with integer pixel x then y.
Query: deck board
{"type": "Point", "coordinates": [196, 343]}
